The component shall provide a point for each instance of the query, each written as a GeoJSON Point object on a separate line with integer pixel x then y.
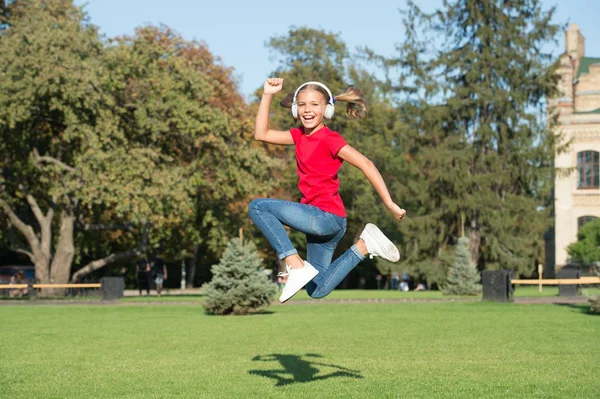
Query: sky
{"type": "Point", "coordinates": [236, 31]}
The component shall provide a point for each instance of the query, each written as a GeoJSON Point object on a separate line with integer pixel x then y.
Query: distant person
{"type": "Point", "coordinates": [18, 278]}
{"type": "Point", "coordinates": [421, 287]}
{"type": "Point", "coordinates": [395, 279]}
{"type": "Point", "coordinates": [379, 280]}
{"type": "Point", "coordinates": [405, 284]}
{"type": "Point", "coordinates": [362, 283]}
{"type": "Point", "coordinates": [159, 272]}
{"type": "Point", "coordinates": [143, 275]}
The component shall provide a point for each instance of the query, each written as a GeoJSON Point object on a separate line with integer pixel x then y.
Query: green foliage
{"type": "Point", "coordinates": [595, 305]}
{"type": "Point", "coordinates": [587, 247]}
{"type": "Point", "coordinates": [144, 134]}
{"type": "Point", "coordinates": [463, 277]}
{"type": "Point", "coordinates": [477, 146]}
{"type": "Point", "coordinates": [239, 285]}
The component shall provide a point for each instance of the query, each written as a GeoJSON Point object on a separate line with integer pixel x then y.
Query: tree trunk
{"type": "Point", "coordinates": [474, 242]}
{"type": "Point", "coordinates": [39, 245]}
{"type": "Point", "coordinates": [60, 270]}
{"type": "Point", "coordinates": [191, 273]}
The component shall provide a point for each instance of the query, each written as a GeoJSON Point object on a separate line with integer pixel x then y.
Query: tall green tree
{"type": "Point", "coordinates": [110, 148]}
{"type": "Point", "coordinates": [174, 100]}
{"type": "Point", "coordinates": [474, 78]}
{"type": "Point", "coordinates": [48, 105]}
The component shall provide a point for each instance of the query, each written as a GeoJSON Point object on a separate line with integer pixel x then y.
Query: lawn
{"type": "Point", "coordinates": [360, 350]}
{"type": "Point", "coordinates": [337, 295]}
{"type": "Point", "coordinates": [380, 295]}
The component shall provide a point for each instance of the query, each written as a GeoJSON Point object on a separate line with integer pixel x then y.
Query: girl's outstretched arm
{"type": "Point", "coordinates": [261, 128]}
{"type": "Point", "coordinates": [355, 158]}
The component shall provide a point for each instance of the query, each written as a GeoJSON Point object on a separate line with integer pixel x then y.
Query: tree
{"type": "Point", "coordinates": [120, 142]}
{"type": "Point", "coordinates": [478, 149]}
{"type": "Point", "coordinates": [587, 250]}
{"type": "Point", "coordinates": [173, 100]}
{"type": "Point", "coordinates": [463, 277]}
{"type": "Point", "coordinates": [48, 105]}
{"type": "Point", "coordinates": [239, 285]}
{"type": "Point", "coordinates": [587, 247]}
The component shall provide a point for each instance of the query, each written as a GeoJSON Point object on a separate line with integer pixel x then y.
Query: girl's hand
{"type": "Point", "coordinates": [398, 212]}
{"type": "Point", "coordinates": [273, 85]}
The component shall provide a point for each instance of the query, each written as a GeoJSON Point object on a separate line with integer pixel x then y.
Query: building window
{"type": "Point", "coordinates": [583, 220]}
{"type": "Point", "coordinates": [587, 166]}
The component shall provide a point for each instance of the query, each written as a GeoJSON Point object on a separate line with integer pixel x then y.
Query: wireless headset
{"type": "Point", "coordinates": [329, 109]}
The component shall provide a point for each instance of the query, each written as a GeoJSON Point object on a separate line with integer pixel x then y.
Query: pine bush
{"type": "Point", "coordinates": [239, 285]}
{"type": "Point", "coordinates": [463, 278]}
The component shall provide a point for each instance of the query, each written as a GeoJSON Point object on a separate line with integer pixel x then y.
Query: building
{"type": "Point", "coordinates": [576, 192]}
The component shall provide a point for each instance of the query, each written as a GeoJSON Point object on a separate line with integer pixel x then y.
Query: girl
{"type": "Point", "coordinates": [320, 214]}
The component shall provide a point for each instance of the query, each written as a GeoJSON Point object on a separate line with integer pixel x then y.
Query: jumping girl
{"type": "Point", "coordinates": [320, 214]}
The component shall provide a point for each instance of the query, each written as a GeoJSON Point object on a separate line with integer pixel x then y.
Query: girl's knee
{"type": "Point", "coordinates": [254, 204]}
{"type": "Point", "coordinates": [317, 295]}
{"type": "Point", "coordinates": [313, 291]}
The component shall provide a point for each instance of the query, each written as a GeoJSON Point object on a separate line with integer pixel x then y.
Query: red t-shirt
{"type": "Point", "coordinates": [317, 165]}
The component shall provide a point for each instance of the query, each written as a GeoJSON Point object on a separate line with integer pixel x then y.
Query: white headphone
{"type": "Point", "coordinates": [329, 109]}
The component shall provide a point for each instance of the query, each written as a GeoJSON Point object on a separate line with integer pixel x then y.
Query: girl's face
{"type": "Point", "coordinates": [311, 107]}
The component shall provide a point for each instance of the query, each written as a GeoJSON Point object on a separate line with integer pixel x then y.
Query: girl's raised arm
{"type": "Point", "coordinates": [261, 128]}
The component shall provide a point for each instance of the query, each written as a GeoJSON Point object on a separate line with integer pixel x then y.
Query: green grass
{"type": "Point", "coordinates": [337, 295]}
{"type": "Point", "coordinates": [365, 350]}
{"type": "Point", "coordinates": [520, 292]}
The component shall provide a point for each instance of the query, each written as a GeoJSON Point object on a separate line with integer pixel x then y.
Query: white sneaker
{"type": "Point", "coordinates": [378, 244]}
{"type": "Point", "coordinates": [297, 278]}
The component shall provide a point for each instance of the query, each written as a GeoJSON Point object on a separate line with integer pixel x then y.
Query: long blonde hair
{"type": "Point", "coordinates": [356, 107]}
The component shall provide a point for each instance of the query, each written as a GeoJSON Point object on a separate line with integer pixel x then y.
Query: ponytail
{"type": "Point", "coordinates": [357, 105]}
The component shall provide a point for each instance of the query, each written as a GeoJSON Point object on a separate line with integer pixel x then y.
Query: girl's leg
{"type": "Point", "coordinates": [331, 275]}
{"type": "Point", "coordinates": [319, 254]}
{"type": "Point", "coordinates": [270, 215]}
{"type": "Point", "coordinates": [371, 242]}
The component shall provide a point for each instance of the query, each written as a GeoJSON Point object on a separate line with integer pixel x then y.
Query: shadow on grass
{"type": "Point", "coordinates": [298, 369]}
{"type": "Point", "coordinates": [582, 308]}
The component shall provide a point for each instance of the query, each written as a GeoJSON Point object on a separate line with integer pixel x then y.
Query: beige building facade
{"type": "Point", "coordinates": [577, 193]}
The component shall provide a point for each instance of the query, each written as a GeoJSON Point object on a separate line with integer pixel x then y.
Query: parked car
{"type": "Point", "coordinates": [6, 272]}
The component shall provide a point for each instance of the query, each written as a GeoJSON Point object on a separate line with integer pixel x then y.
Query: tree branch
{"type": "Point", "coordinates": [48, 159]}
{"type": "Point", "coordinates": [100, 227]}
{"type": "Point", "coordinates": [25, 229]}
{"type": "Point", "coordinates": [100, 263]}
{"type": "Point", "coordinates": [25, 252]}
{"type": "Point", "coordinates": [44, 221]}
{"type": "Point", "coordinates": [35, 208]}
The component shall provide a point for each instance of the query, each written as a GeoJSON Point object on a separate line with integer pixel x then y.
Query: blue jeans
{"type": "Point", "coordinates": [323, 231]}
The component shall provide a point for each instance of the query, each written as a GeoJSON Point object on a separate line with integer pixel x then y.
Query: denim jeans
{"type": "Point", "coordinates": [323, 231]}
